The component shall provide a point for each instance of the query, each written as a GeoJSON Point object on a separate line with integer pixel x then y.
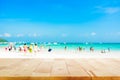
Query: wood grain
{"type": "Point", "coordinates": [60, 69]}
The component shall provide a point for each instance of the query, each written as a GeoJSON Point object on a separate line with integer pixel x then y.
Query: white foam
{"type": "Point", "coordinates": [59, 54]}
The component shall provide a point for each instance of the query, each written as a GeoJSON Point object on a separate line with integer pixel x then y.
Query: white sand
{"type": "Point", "coordinates": [59, 54]}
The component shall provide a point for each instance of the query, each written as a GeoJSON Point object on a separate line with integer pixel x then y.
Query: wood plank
{"type": "Point", "coordinates": [44, 69]}
{"type": "Point", "coordinates": [14, 78]}
{"type": "Point", "coordinates": [110, 67]}
{"type": "Point", "coordinates": [8, 69]}
{"type": "Point", "coordinates": [84, 64]}
{"type": "Point", "coordinates": [75, 68]}
{"type": "Point", "coordinates": [101, 70]}
{"type": "Point", "coordinates": [101, 78]}
{"type": "Point", "coordinates": [27, 67]}
{"type": "Point", "coordinates": [59, 68]}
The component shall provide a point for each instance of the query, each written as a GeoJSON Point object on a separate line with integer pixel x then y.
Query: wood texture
{"type": "Point", "coordinates": [60, 69]}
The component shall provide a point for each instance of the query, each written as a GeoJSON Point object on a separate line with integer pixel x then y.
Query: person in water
{"type": "Point", "coordinates": [91, 49]}
{"type": "Point", "coordinates": [103, 51]}
{"type": "Point", "coordinates": [108, 49]}
{"type": "Point", "coordinates": [31, 48]}
{"type": "Point", "coordinates": [10, 47]}
{"type": "Point", "coordinates": [20, 49]}
{"type": "Point", "coordinates": [65, 48]}
{"type": "Point", "coordinates": [79, 48]}
{"type": "Point", "coordinates": [25, 47]}
{"type": "Point", "coordinates": [35, 48]}
{"type": "Point", "coordinates": [49, 50]}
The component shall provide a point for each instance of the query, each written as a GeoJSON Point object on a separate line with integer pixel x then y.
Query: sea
{"type": "Point", "coordinates": [69, 46]}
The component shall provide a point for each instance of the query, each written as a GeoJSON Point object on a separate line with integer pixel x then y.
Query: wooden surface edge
{"type": "Point", "coordinates": [60, 78]}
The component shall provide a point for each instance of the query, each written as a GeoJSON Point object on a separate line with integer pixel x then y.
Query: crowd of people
{"type": "Point", "coordinates": [33, 48]}
{"type": "Point", "coordinates": [25, 48]}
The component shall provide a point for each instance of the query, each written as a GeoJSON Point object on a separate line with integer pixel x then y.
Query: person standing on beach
{"type": "Point", "coordinates": [91, 49]}
{"type": "Point", "coordinates": [20, 49]}
{"type": "Point", "coordinates": [35, 48]}
{"type": "Point", "coordinates": [31, 48]}
{"type": "Point", "coordinates": [10, 47]}
{"type": "Point", "coordinates": [108, 49]}
{"type": "Point", "coordinates": [49, 50]}
{"type": "Point", "coordinates": [79, 48]}
{"type": "Point", "coordinates": [65, 48]}
{"type": "Point", "coordinates": [25, 48]}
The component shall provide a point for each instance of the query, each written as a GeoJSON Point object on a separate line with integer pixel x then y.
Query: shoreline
{"type": "Point", "coordinates": [71, 54]}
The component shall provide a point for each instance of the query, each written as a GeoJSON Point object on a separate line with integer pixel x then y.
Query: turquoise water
{"type": "Point", "coordinates": [86, 46]}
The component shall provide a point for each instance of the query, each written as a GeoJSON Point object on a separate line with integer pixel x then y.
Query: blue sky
{"type": "Point", "coordinates": [60, 20]}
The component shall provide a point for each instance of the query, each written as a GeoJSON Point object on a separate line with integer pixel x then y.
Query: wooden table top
{"type": "Point", "coordinates": [60, 69]}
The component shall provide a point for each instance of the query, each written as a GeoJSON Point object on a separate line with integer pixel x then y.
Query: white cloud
{"type": "Point", "coordinates": [34, 35]}
{"type": "Point", "coordinates": [111, 10]}
{"type": "Point", "coordinates": [7, 35]}
{"type": "Point", "coordinates": [108, 10]}
{"type": "Point", "coordinates": [1, 35]}
{"type": "Point", "coordinates": [64, 35]}
{"type": "Point", "coordinates": [29, 35]}
{"type": "Point", "coordinates": [19, 35]}
{"type": "Point", "coordinates": [93, 33]}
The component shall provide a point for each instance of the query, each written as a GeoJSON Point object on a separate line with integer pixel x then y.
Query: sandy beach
{"type": "Point", "coordinates": [69, 54]}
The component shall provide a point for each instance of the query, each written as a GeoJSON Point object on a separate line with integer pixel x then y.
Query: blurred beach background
{"type": "Point", "coordinates": [60, 26]}
{"type": "Point", "coordinates": [70, 46]}
{"type": "Point", "coordinates": [61, 50]}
